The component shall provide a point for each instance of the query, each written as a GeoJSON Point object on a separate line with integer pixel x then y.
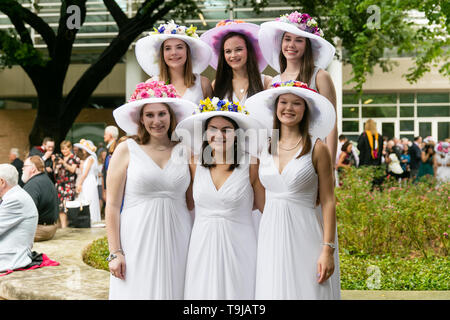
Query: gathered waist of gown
{"type": "Point", "coordinates": [289, 197]}
{"type": "Point", "coordinates": [234, 215]}
{"type": "Point", "coordinates": [135, 199]}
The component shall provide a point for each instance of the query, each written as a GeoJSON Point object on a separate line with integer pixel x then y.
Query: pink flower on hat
{"type": "Point", "coordinates": [303, 21]}
{"type": "Point", "coordinates": [153, 89]}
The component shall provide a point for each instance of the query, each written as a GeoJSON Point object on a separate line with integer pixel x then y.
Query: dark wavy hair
{"type": "Point", "coordinates": [303, 126]}
{"type": "Point", "coordinates": [224, 86]}
{"type": "Point", "coordinates": [207, 163]}
{"type": "Point", "coordinates": [307, 63]}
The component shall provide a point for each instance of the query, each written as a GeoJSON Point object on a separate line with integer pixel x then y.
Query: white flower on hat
{"type": "Point", "coordinates": [215, 101]}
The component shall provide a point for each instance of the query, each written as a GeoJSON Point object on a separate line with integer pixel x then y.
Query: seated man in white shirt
{"type": "Point", "coordinates": [18, 221]}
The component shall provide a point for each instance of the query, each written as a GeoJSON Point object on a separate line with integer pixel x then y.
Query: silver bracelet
{"type": "Point", "coordinates": [330, 244]}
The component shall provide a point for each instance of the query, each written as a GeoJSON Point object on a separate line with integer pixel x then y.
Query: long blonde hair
{"type": "Point", "coordinates": [371, 126]}
{"type": "Point", "coordinates": [164, 74]}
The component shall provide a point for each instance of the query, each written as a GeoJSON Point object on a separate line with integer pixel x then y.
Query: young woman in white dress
{"type": "Point", "coordinates": [87, 183]}
{"type": "Point", "coordinates": [296, 243]}
{"type": "Point", "coordinates": [174, 54]}
{"type": "Point", "coordinates": [149, 239]}
{"type": "Point", "coordinates": [238, 60]}
{"type": "Point", "coordinates": [294, 46]}
{"type": "Point", "coordinates": [225, 188]}
{"type": "Point", "coordinates": [442, 161]}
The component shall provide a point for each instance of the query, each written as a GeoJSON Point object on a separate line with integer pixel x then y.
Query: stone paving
{"type": "Point", "coordinates": [74, 280]}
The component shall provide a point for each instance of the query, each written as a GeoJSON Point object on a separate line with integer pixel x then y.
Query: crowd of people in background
{"type": "Point", "coordinates": [53, 178]}
{"type": "Point", "coordinates": [404, 160]}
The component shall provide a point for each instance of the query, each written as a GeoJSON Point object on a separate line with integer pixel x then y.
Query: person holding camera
{"type": "Point", "coordinates": [427, 167]}
{"type": "Point", "coordinates": [66, 165]}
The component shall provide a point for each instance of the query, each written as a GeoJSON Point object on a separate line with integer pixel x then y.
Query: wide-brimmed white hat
{"type": "Point", "coordinates": [271, 34]}
{"type": "Point", "coordinates": [209, 108]}
{"type": "Point", "coordinates": [322, 114]}
{"type": "Point", "coordinates": [88, 146]}
{"type": "Point", "coordinates": [127, 116]}
{"type": "Point", "coordinates": [214, 36]}
{"type": "Point", "coordinates": [442, 148]}
{"type": "Point", "coordinates": [148, 48]}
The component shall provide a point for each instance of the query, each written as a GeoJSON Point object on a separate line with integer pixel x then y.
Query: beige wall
{"type": "Point", "coordinates": [394, 81]}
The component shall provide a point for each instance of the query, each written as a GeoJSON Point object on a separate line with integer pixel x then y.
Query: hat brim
{"type": "Point", "coordinates": [271, 34]}
{"type": "Point", "coordinates": [213, 38]}
{"type": "Point", "coordinates": [193, 125]}
{"type": "Point", "coordinates": [127, 115]}
{"type": "Point", "coordinates": [322, 113]}
{"type": "Point", "coordinates": [79, 145]}
{"type": "Point", "coordinates": [148, 48]}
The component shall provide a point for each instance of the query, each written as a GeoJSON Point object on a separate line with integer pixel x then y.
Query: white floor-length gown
{"type": "Point", "coordinates": [291, 233]}
{"type": "Point", "coordinates": [155, 226]}
{"type": "Point", "coordinates": [222, 251]}
{"type": "Point", "coordinates": [89, 189]}
{"type": "Point", "coordinates": [443, 171]}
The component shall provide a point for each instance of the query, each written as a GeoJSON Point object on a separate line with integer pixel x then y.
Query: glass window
{"type": "Point", "coordinates": [352, 137]}
{"type": "Point", "coordinates": [432, 97]}
{"type": "Point", "coordinates": [379, 98]}
{"type": "Point", "coordinates": [424, 129]}
{"type": "Point", "coordinates": [406, 125]}
{"type": "Point", "coordinates": [350, 112]}
{"type": "Point", "coordinates": [406, 97]}
{"type": "Point", "coordinates": [350, 126]}
{"type": "Point", "coordinates": [379, 112]}
{"type": "Point", "coordinates": [409, 136]}
{"type": "Point", "coordinates": [349, 98]}
{"type": "Point", "coordinates": [443, 130]}
{"type": "Point", "coordinates": [433, 111]}
{"type": "Point", "coordinates": [406, 112]}
{"type": "Point", "coordinates": [388, 129]}
{"type": "Point", "coordinates": [92, 131]}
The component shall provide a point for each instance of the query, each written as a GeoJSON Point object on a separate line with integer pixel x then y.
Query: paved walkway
{"type": "Point", "coordinates": [74, 280]}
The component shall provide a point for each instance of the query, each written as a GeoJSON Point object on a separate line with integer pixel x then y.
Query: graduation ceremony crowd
{"type": "Point", "coordinates": [195, 211]}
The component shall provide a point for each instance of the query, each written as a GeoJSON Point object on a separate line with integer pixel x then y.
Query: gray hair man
{"type": "Point", "coordinates": [18, 221]}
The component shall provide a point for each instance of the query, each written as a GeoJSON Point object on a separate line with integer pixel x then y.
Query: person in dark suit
{"type": "Point", "coordinates": [16, 162]}
{"type": "Point", "coordinates": [370, 145]}
{"type": "Point", "coordinates": [43, 192]}
{"type": "Point", "coordinates": [110, 136]}
{"type": "Point", "coordinates": [416, 157]}
{"type": "Point", "coordinates": [45, 151]}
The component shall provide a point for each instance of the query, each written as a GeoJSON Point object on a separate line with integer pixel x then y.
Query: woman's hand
{"type": "Point", "coordinates": [78, 188]}
{"type": "Point", "coordinates": [117, 267]}
{"type": "Point", "coordinates": [325, 265]}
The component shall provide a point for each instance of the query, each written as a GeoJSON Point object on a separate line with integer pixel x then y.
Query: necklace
{"type": "Point", "coordinates": [289, 149]}
{"type": "Point", "coordinates": [160, 148]}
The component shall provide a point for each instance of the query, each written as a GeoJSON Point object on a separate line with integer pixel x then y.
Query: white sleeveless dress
{"type": "Point", "coordinates": [443, 171]}
{"type": "Point", "coordinates": [291, 233]}
{"type": "Point", "coordinates": [89, 190]}
{"type": "Point", "coordinates": [312, 85]}
{"type": "Point", "coordinates": [155, 226]}
{"type": "Point", "coordinates": [244, 98]}
{"type": "Point", "coordinates": [194, 93]}
{"type": "Point", "coordinates": [222, 251]}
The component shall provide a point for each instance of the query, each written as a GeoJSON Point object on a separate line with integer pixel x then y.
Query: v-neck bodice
{"type": "Point", "coordinates": [297, 182]}
{"type": "Point", "coordinates": [147, 181]}
{"type": "Point", "coordinates": [234, 199]}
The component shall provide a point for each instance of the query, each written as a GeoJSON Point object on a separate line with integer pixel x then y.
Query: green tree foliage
{"type": "Point", "coordinates": [366, 29]}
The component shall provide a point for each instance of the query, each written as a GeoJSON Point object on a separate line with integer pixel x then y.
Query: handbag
{"type": "Point", "coordinates": [78, 214]}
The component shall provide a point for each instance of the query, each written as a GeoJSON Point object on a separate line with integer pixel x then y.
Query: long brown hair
{"type": "Point", "coordinates": [164, 74]}
{"type": "Point", "coordinates": [143, 137]}
{"type": "Point", "coordinates": [306, 63]}
{"type": "Point", "coordinates": [224, 86]}
{"type": "Point", "coordinates": [303, 126]}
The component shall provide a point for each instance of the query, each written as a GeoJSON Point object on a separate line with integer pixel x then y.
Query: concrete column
{"type": "Point", "coordinates": [335, 70]}
{"type": "Point", "coordinates": [133, 73]}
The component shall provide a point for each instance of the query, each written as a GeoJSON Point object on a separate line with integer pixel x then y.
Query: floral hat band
{"type": "Point", "coordinates": [172, 28]}
{"type": "Point", "coordinates": [442, 147]}
{"type": "Point", "coordinates": [216, 104]}
{"type": "Point", "coordinates": [154, 89]}
{"type": "Point", "coordinates": [227, 22]}
{"type": "Point", "coordinates": [292, 83]}
{"type": "Point", "coordinates": [303, 21]}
